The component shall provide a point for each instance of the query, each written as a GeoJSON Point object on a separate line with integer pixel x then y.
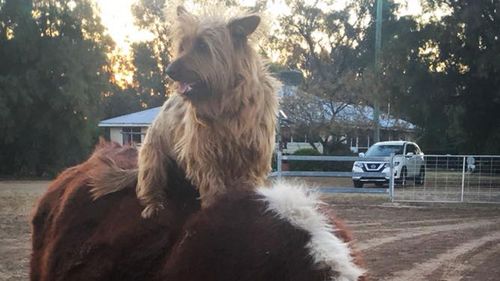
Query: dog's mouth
{"type": "Point", "coordinates": [184, 87]}
{"type": "Point", "coordinates": [189, 88]}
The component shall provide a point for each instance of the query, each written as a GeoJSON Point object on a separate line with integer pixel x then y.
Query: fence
{"type": "Point", "coordinates": [336, 188]}
{"type": "Point", "coordinates": [454, 178]}
{"type": "Point", "coordinates": [429, 178]}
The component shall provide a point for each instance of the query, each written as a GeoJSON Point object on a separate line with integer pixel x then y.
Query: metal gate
{"type": "Point", "coordinates": [452, 178]}
{"type": "Point", "coordinates": [342, 188]}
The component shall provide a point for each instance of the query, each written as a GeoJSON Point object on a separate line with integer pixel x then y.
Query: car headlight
{"type": "Point", "coordinates": [359, 165]}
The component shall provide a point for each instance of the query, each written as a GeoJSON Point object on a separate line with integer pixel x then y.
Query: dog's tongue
{"type": "Point", "coordinates": [184, 87]}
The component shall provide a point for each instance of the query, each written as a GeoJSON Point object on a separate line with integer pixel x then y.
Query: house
{"type": "Point", "coordinates": [353, 124]}
{"type": "Point", "coordinates": [356, 122]}
{"type": "Point", "coordinates": [129, 128]}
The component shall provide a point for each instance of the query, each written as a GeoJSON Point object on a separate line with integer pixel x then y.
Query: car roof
{"type": "Point", "coordinates": [392, 143]}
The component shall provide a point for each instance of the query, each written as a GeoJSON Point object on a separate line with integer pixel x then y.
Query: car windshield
{"type": "Point", "coordinates": [384, 150]}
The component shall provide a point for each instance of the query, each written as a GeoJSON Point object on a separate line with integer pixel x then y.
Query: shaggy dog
{"type": "Point", "coordinates": [219, 127]}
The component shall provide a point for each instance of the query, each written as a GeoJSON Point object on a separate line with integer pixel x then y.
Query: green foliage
{"type": "Point", "coordinates": [307, 165]}
{"type": "Point", "coordinates": [121, 101]}
{"type": "Point", "coordinates": [274, 164]}
{"type": "Point", "coordinates": [149, 75]}
{"type": "Point", "coordinates": [453, 92]}
{"type": "Point", "coordinates": [440, 73]}
{"type": "Point", "coordinates": [330, 47]}
{"type": "Point", "coordinates": [151, 58]}
{"type": "Point", "coordinates": [340, 150]}
{"type": "Point", "coordinates": [52, 74]}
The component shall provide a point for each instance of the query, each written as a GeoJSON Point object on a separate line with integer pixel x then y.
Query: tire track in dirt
{"type": "Point", "coordinates": [360, 225]}
{"type": "Point", "coordinates": [487, 270]}
{"type": "Point", "coordinates": [401, 255]}
{"type": "Point", "coordinates": [469, 263]}
{"type": "Point", "coordinates": [421, 271]}
{"type": "Point", "coordinates": [405, 226]}
{"type": "Point", "coordinates": [375, 242]}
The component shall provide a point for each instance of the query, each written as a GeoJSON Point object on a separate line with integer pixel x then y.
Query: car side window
{"type": "Point", "coordinates": [411, 148]}
{"type": "Point", "coordinates": [417, 150]}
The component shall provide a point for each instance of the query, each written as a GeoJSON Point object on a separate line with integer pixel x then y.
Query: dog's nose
{"type": "Point", "coordinates": [172, 72]}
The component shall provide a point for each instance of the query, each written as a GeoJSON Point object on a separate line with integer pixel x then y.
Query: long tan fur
{"type": "Point", "coordinates": [220, 136]}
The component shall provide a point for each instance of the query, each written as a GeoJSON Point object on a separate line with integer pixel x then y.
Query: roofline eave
{"type": "Point", "coordinates": [124, 125]}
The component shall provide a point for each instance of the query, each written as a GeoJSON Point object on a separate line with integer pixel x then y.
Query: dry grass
{"type": "Point", "coordinates": [428, 241]}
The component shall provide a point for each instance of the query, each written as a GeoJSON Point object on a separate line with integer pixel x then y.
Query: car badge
{"type": "Point", "coordinates": [373, 166]}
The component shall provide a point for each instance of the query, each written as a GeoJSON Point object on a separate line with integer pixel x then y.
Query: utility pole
{"type": "Point", "coordinates": [378, 47]}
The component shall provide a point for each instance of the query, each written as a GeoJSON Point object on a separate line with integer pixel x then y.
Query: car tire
{"type": "Point", "coordinates": [357, 184]}
{"type": "Point", "coordinates": [403, 177]}
{"type": "Point", "coordinates": [420, 179]}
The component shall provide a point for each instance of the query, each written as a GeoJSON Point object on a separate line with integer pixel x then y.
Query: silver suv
{"type": "Point", "coordinates": [408, 164]}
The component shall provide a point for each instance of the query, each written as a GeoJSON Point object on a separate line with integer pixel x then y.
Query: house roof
{"type": "Point", "coordinates": [353, 115]}
{"type": "Point", "coordinates": [350, 114]}
{"type": "Point", "coordinates": [137, 119]}
{"type": "Point", "coordinates": [358, 114]}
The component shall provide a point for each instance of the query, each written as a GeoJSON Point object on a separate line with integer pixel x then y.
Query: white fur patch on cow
{"type": "Point", "coordinates": [293, 203]}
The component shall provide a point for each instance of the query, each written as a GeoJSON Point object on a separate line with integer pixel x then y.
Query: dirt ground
{"type": "Point", "coordinates": [399, 242]}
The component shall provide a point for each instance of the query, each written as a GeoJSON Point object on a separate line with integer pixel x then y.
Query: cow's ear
{"type": "Point", "coordinates": [244, 26]}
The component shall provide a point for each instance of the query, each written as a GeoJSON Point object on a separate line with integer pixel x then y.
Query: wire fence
{"type": "Point", "coordinates": [336, 186]}
{"type": "Point", "coordinates": [415, 178]}
{"type": "Point", "coordinates": [454, 178]}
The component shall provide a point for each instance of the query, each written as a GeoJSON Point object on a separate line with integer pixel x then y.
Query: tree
{"type": "Point", "coordinates": [469, 48]}
{"type": "Point", "coordinates": [151, 58]}
{"type": "Point", "coordinates": [443, 75]}
{"type": "Point", "coordinates": [326, 44]}
{"type": "Point", "coordinates": [53, 71]}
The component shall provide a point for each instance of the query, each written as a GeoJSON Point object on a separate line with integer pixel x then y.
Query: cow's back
{"type": "Point", "coordinates": [77, 238]}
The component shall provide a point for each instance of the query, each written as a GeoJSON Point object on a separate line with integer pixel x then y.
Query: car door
{"type": "Point", "coordinates": [419, 159]}
{"type": "Point", "coordinates": [410, 159]}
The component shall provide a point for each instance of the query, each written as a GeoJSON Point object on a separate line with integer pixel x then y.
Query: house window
{"type": "Point", "coordinates": [131, 135]}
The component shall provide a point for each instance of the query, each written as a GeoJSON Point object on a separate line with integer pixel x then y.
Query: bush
{"type": "Point", "coordinates": [307, 165]}
{"type": "Point", "coordinates": [274, 165]}
{"type": "Point", "coordinates": [321, 165]}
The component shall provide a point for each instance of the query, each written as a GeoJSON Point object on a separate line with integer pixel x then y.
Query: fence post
{"type": "Point", "coordinates": [463, 180]}
{"type": "Point", "coordinates": [278, 162]}
{"type": "Point", "coordinates": [391, 178]}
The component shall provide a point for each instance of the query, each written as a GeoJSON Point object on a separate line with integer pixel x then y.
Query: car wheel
{"type": "Point", "coordinates": [403, 177]}
{"type": "Point", "coordinates": [357, 184]}
{"type": "Point", "coordinates": [421, 176]}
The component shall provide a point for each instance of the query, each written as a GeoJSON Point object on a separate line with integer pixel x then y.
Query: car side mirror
{"type": "Point", "coordinates": [410, 154]}
{"type": "Point", "coordinates": [361, 154]}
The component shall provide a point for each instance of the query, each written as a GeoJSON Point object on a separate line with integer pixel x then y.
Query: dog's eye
{"type": "Point", "coordinates": [201, 45]}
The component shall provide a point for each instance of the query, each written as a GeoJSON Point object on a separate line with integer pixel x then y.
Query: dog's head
{"type": "Point", "coordinates": [213, 56]}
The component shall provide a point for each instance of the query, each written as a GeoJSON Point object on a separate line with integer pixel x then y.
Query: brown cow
{"type": "Point", "coordinates": [76, 238]}
{"type": "Point", "coordinates": [272, 234]}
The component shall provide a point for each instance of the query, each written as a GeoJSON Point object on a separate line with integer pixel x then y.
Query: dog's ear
{"type": "Point", "coordinates": [181, 11]}
{"type": "Point", "coordinates": [242, 27]}
{"type": "Point", "coordinates": [185, 17]}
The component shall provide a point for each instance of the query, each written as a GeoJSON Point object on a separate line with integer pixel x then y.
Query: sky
{"type": "Point", "coordinates": [117, 18]}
